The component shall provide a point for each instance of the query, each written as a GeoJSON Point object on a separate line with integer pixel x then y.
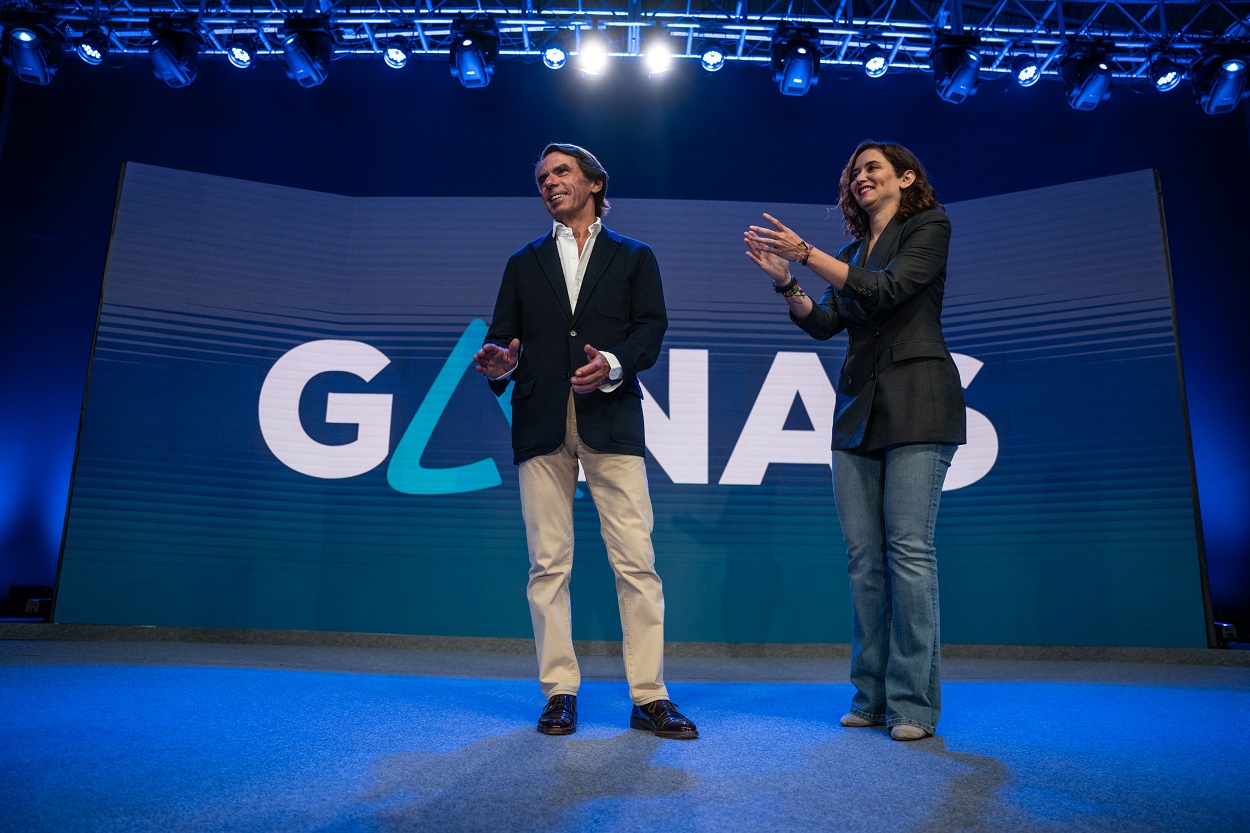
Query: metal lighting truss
{"type": "Point", "coordinates": [1131, 34]}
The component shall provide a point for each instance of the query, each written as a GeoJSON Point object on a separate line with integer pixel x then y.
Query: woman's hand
{"type": "Point", "coordinates": [773, 266]}
{"type": "Point", "coordinates": [777, 240]}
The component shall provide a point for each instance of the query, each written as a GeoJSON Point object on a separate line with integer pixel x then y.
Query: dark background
{"type": "Point", "coordinates": [373, 131]}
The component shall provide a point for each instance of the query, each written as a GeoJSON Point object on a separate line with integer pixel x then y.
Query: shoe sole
{"type": "Point", "coordinates": [635, 723]}
{"type": "Point", "coordinates": [556, 731]}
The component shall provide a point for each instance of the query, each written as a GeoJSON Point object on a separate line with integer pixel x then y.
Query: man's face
{"type": "Point", "coordinates": [567, 193]}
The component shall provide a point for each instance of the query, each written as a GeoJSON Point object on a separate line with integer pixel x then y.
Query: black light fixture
{"type": "Point", "coordinates": [241, 50]}
{"type": "Point", "coordinates": [174, 50]}
{"type": "Point", "coordinates": [308, 48]}
{"type": "Point", "coordinates": [1165, 73]}
{"type": "Point", "coordinates": [395, 53]}
{"type": "Point", "coordinates": [1026, 70]}
{"type": "Point", "coordinates": [30, 49]}
{"type": "Point", "coordinates": [711, 57]}
{"type": "Point", "coordinates": [1219, 81]}
{"type": "Point", "coordinates": [795, 58]}
{"type": "Point", "coordinates": [93, 46]}
{"type": "Point", "coordinates": [956, 62]}
{"type": "Point", "coordinates": [876, 60]}
{"type": "Point", "coordinates": [1086, 76]}
{"type": "Point", "coordinates": [474, 47]}
{"type": "Point", "coordinates": [555, 50]}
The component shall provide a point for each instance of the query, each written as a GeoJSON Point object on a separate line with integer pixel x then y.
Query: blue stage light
{"type": "Point", "coordinates": [1086, 79]}
{"type": "Point", "coordinates": [92, 47]}
{"type": "Point", "coordinates": [1026, 70]}
{"type": "Point", "coordinates": [31, 58]}
{"type": "Point", "coordinates": [555, 55]}
{"type": "Point", "coordinates": [474, 46]}
{"type": "Point", "coordinates": [1166, 73]}
{"type": "Point", "coordinates": [876, 61]}
{"type": "Point", "coordinates": [241, 51]}
{"type": "Point", "coordinates": [395, 55]}
{"type": "Point", "coordinates": [1219, 82]}
{"type": "Point", "coordinates": [711, 57]}
{"type": "Point", "coordinates": [795, 59]}
{"type": "Point", "coordinates": [956, 64]}
{"type": "Point", "coordinates": [174, 51]}
{"type": "Point", "coordinates": [308, 48]}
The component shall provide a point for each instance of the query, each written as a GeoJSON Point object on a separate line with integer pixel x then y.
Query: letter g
{"type": "Point", "coordinates": [371, 412]}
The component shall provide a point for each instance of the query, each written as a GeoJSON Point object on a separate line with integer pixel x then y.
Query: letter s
{"type": "Point", "coordinates": [975, 459]}
{"type": "Point", "coordinates": [279, 410]}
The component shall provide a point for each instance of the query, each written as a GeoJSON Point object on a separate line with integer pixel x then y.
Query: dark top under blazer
{"type": "Point", "coordinates": [620, 310]}
{"type": "Point", "coordinates": [899, 383]}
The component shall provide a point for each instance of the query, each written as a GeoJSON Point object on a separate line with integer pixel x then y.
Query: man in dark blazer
{"type": "Point", "coordinates": [580, 313]}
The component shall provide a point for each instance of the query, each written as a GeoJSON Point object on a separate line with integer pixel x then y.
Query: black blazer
{"type": "Point", "coordinates": [620, 310]}
{"type": "Point", "coordinates": [899, 383]}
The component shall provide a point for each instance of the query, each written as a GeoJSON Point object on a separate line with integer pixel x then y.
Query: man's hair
{"type": "Point", "coordinates": [591, 169]}
{"type": "Point", "coordinates": [917, 197]}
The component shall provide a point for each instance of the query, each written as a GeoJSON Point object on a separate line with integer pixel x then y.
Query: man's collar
{"type": "Point", "coordinates": [559, 229]}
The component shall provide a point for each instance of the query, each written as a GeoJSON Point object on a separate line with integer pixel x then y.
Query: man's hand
{"type": "Point", "coordinates": [592, 374]}
{"type": "Point", "coordinates": [493, 361]}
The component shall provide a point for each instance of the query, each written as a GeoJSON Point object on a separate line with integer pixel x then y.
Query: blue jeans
{"type": "Point", "coordinates": [887, 504]}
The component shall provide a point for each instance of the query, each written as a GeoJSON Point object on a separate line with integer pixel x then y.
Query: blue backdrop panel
{"type": "Point", "coordinates": [282, 428]}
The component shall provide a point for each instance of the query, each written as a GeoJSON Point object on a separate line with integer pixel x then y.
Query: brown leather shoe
{"type": "Point", "coordinates": [560, 716]}
{"type": "Point", "coordinates": [661, 718]}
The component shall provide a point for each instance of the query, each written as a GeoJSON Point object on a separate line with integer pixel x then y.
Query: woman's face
{"type": "Point", "coordinates": [875, 185]}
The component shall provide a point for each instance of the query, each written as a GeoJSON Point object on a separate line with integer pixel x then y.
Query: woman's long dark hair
{"type": "Point", "coordinates": [917, 197]}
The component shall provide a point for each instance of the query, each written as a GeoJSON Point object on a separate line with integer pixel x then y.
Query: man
{"type": "Point", "coordinates": [580, 313]}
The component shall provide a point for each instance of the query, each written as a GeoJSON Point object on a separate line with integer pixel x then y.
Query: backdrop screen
{"type": "Point", "coordinates": [283, 430]}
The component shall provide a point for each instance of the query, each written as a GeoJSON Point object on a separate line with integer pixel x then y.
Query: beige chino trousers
{"type": "Point", "coordinates": [618, 486]}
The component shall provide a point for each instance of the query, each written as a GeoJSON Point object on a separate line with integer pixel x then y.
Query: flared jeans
{"type": "Point", "coordinates": [887, 505]}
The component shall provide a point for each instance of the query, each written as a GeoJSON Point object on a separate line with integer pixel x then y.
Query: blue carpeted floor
{"type": "Point", "coordinates": [271, 739]}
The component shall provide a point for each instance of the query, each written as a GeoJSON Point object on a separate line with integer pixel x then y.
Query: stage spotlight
{"type": "Point", "coordinates": [1086, 79]}
{"type": "Point", "coordinates": [30, 53]}
{"type": "Point", "coordinates": [555, 53]}
{"type": "Point", "coordinates": [711, 57]}
{"type": "Point", "coordinates": [174, 50]}
{"type": "Point", "coordinates": [1166, 73]}
{"type": "Point", "coordinates": [956, 64]}
{"type": "Point", "coordinates": [241, 51]}
{"type": "Point", "coordinates": [876, 61]}
{"type": "Point", "coordinates": [1219, 82]}
{"type": "Point", "coordinates": [93, 46]}
{"type": "Point", "coordinates": [308, 48]}
{"type": "Point", "coordinates": [1026, 70]}
{"type": "Point", "coordinates": [474, 47]}
{"type": "Point", "coordinates": [592, 53]}
{"type": "Point", "coordinates": [795, 59]}
{"type": "Point", "coordinates": [657, 57]}
{"type": "Point", "coordinates": [396, 52]}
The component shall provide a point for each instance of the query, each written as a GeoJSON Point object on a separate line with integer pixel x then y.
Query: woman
{"type": "Point", "coordinates": [898, 419]}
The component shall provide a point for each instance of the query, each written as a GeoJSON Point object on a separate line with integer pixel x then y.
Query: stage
{"type": "Point", "coordinates": [138, 729]}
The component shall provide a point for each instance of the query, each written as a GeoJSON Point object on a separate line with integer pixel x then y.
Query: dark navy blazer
{"type": "Point", "coordinates": [620, 310]}
{"type": "Point", "coordinates": [899, 383]}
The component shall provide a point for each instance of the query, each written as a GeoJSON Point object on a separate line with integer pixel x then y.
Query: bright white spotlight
{"type": "Point", "coordinates": [658, 58]}
{"type": "Point", "coordinates": [592, 58]}
{"type": "Point", "coordinates": [1166, 73]}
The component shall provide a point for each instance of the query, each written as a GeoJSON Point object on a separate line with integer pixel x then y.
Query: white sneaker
{"type": "Point", "coordinates": [905, 731]}
{"type": "Point", "coordinates": [854, 721]}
